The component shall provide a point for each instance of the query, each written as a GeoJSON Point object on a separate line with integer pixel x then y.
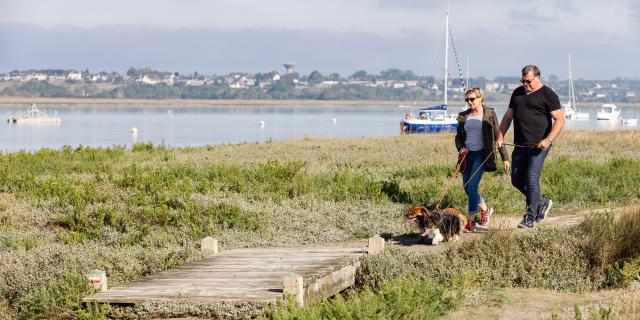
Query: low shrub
{"type": "Point", "coordinates": [61, 299]}
{"type": "Point", "coordinates": [548, 258]}
{"type": "Point", "coordinates": [612, 247]}
{"type": "Point", "coordinates": [398, 299]}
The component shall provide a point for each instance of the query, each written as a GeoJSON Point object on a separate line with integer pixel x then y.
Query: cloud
{"type": "Point", "coordinates": [499, 36]}
{"type": "Point", "coordinates": [530, 19]}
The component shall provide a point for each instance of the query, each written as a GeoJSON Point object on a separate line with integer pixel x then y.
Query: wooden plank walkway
{"type": "Point", "coordinates": [246, 275]}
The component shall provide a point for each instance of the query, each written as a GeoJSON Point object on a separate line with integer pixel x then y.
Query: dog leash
{"type": "Point", "coordinates": [462, 165]}
{"type": "Point", "coordinates": [462, 158]}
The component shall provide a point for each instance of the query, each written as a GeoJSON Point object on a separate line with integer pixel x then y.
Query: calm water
{"type": "Point", "coordinates": [196, 126]}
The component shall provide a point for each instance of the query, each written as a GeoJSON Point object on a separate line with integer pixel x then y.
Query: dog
{"type": "Point", "coordinates": [437, 225]}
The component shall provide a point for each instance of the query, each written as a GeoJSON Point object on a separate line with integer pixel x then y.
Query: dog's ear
{"type": "Point", "coordinates": [423, 210]}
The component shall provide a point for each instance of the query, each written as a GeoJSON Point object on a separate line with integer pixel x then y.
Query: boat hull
{"type": "Point", "coordinates": [429, 126]}
{"type": "Point", "coordinates": [608, 115]}
{"type": "Point", "coordinates": [34, 120]}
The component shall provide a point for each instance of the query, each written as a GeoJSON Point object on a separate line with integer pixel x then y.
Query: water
{"type": "Point", "coordinates": [105, 126]}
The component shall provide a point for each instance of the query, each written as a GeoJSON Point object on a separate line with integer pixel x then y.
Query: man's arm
{"type": "Point", "coordinates": [558, 123]}
{"type": "Point", "coordinates": [504, 126]}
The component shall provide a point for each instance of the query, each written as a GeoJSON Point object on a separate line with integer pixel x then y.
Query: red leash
{"type": "Point", "coordinates": [462, 161]}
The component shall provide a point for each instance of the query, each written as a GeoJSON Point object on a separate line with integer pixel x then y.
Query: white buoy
{"type": "Point", "coordinates": [134, 131]}
{"type": "Point", "coordinates": [261, 124]}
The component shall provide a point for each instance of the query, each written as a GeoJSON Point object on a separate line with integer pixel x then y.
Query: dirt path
{"type": "Point", "coordinates": [411, 242]}
{"type": "Point", "coordinates": [515, 303]}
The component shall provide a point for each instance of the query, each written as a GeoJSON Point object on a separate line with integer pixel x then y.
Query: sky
{"type": "Point", "coordinates": [496, 37]}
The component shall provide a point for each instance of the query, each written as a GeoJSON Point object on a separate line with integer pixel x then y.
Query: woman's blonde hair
{"type": "Point", "coordinates": [477, 91]}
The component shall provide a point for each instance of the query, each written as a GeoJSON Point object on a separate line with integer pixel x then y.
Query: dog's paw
{"type": "Point", "coordinates": [437, 239]}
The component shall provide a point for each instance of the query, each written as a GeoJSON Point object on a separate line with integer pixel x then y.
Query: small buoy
{"type": "Point", "coordinates": [334, 120]}
{"type": "Point", "coordinates": [261, 123]}
{"type": "Point", "coordinates": [134, 131]}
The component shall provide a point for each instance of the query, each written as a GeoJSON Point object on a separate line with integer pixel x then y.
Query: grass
{"type": "Point", "coordinates": [136, 212]}
{"type": "Point", "coordinates": [398, 299]}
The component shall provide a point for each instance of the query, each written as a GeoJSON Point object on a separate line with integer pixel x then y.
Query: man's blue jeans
{"type": "Point", "coordinates": [525, 175]}
{"type": "Point", "coordinates": [474, 165]}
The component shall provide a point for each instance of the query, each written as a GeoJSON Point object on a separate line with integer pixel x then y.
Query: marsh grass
{"type": "Point", "coordinates": [613, 249]}
{"type": "Point", "coordinates": [139, 211]}
{"type": "Point", "coordinates": [397, 299]}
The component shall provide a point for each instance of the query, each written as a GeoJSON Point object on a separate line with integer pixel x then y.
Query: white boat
{"type": "Point", "coordinates": [433, 119]}
{"type": "Point", "coordinates": [571, 109]}
{"type": "Point", "coordinates": [34, 116]}
{"type": "Point", "coordinates": [609, 111]}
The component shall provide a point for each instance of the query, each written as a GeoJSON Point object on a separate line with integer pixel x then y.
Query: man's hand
{"type": "Point", "coordinates": [499, 142]}
{"type": "Point", "coordinates": [544, 144]}
{"type": "Point", "coordinates": [506, 166]}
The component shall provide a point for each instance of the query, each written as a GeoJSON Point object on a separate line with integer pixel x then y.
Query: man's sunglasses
{"type": "Point", "coordinates": [470, 99]}
{"type": "Point", "coordinates": [526, 81]}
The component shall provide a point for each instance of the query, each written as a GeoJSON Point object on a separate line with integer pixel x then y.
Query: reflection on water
{"type": "Point", "coordinates": [197, 126]}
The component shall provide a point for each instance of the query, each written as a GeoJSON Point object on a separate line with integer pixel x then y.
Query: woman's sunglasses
{"type": "Point", "coordinates": [470, 99]}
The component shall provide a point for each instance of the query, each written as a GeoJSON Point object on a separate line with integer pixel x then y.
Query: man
{"type": "Point", "coordinates": [531, 108]}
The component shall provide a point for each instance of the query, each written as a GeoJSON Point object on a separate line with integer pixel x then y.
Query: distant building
{"type": "Point", "coordinates": [289, 67]}
{"type": "Point", "coordinates": [195, 83]}
{"type": "Point", "coordinates": [74, 75]}
{"type": "Point", "coordinates": [40, 77]}
{"type": "Point", "coordinates": [99, 77]}
{"type": "Point", "coordinates": [148, 80]}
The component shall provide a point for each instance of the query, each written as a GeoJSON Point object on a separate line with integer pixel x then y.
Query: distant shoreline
{"type": "Point", "coordinates": [195, 102]}
{"type": "Point", "coordinates": [6, 101]}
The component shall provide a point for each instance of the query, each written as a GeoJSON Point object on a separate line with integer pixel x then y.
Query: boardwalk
{"type": "Point", "coordinates": [245, 275]}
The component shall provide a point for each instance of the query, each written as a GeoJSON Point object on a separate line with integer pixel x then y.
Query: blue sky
{"type": "Point", "coordinates": [497, 36]}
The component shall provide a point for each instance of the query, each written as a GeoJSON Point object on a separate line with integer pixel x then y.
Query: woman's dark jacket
{"type": "Point", "coordinates": [490, 129]}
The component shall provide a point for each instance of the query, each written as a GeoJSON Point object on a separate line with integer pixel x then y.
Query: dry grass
{"type": "Point", "coordinates": [133, 213]}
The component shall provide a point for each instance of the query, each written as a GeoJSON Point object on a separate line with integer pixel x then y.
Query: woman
{"type": "Point", "coordinates": [475, 140]}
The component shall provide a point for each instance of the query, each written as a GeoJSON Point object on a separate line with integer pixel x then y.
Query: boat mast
{"type": "Point", "coordinates": [572, 94]}
{"type": "Point", "coordinates": [446, 56]}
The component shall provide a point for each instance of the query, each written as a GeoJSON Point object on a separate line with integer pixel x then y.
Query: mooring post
{"type": "Point", "coordinates": [98, 279]}
{"type": "Point", "coordinates": [209, 246]}
{"type": "Point", "coordinates": [376, 245]}
{"type": "Point", "coordinates": [294, 286]}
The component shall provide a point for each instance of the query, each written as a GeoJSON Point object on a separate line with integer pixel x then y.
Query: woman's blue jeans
{"type": "Point", "coordinates": [471, 179]}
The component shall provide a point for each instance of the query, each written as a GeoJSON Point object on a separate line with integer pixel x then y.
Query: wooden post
{"type": "Point", "coordinates": [376, 245]}
{"type": "Point", "coordinates": [209, 246]}
{"type": "Point", "coordinates": [294, 286]}
{"type": "Point", "coordinates": [98, 279]}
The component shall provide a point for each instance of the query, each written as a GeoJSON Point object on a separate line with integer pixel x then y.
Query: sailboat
{"type": "Point", "coordinates": [633, 121]}
{"type": "Point", "coordinates": [571, 109]}
{"type": "Point", "coordinates": [433, 118]}
{"type": "Point", "coordinates": [34, 116]}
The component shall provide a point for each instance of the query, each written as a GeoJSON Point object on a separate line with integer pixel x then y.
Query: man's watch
{"type": "Point", "coordinates": [550, 140]}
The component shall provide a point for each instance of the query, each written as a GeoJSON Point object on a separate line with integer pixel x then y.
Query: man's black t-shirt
{"type": "Point", "coordinates": [532, 114]}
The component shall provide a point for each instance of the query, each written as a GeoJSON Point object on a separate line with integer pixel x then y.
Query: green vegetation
{"type": "Point", "coordinates": [139, 211]}
{"type": "Point", "coordinates": [398, 299]}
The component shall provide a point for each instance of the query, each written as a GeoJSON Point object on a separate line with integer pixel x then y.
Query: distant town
{"type": "Point", "coordinates": [391, 84]}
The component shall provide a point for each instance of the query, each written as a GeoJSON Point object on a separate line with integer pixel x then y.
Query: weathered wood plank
{"type": "Point", "coordinates": [244, 275]}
